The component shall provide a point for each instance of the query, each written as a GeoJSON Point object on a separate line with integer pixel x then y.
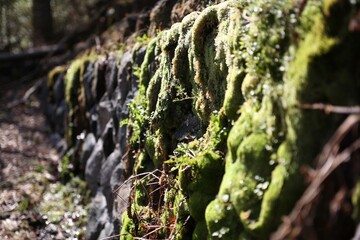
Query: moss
{"type": "Point", "coordinates": [355, 199]}
{"type": "Point", "coordinates": [180, 63]}
{"type": "Point", "coordinates": [73, 79]}
{"type": "Point", "coordinates": [53, 74]}
{"type": "Point", "coordinates": [127, 228]}
{"type": "Point", "coordinates": [207, 166]}
{"type": "Point", "coordinates": [66, 205]}
{"type": "Point", "coordinates": [66, 168]}
{"type": "Point", "coordinates": [214, 58]}
{"type": "Point", "coordinates": [259, 186]}
{"type": "Point", "coordinates": [203, 184]}
{"type": "Point", "coordinates": [242, 68]}
{"type": "Point", "coordinates": [197, 204]}
{"type": "Point", "coordinates": [75, 98]}
{"type": "Point", "coordinates": [233, 99]}
{"type": "Point", "coordinates": [200, 231]}
{"type": "Point", "coordinates": [309, 80]}
{"type": "Point", "coordinates": [222, 221]}
{"type": "Point", "coordinates": [152, 146]}
{"type": "Point", "coordinates": [249, 85]}
{"type": "Point", "coordinates": [146, 64]}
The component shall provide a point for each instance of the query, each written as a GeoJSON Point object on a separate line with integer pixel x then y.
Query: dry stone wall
{"type": "Point", "coordinates": [198, 132]}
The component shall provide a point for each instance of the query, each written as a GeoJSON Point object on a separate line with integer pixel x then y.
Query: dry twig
{"type": "Point", "coordinates": [328, 108]}
{"type": "Point", "coordinates": [327, 162]}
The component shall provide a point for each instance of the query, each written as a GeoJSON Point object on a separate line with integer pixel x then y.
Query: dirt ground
{"type": "Point", "coordinates": [29, 174]}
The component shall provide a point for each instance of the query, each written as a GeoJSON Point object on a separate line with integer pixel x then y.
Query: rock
{"type": "Point", "coordinates": [93, 166]}
{"type": "Point", "coordinates": [121, 200]}
{"type": "Point", "coordinates": [107, 231]}
{"type": "Point", "coordinates": [98, 87]}
{"type": "Point", "coordinates": [55, 138]}
{"type": "Point", "coordinates": [50, 113]}
{"type": "Point", "coordinates": [188, 129]}
{"type": "Point", "coordinates": [124, 77]}
{"type": "Point", "coordinates": [97, 217]}
{"type": "Point", "coordinates": [107, 136]}
{"type": "Point", "coordinates": [160, 15]}
{"type": "Point", "coordinates": [111, 229]}
{"type": "Point", "coordinates": [138, 58]}
{"type": "Point", "coordinates": [59, 143]}
{"type": "Point", "coordinates": [122, 112]}
{"type": "Point", "coordinates": [60, 116]}
{"type": "Point", "coordinates": [59, 89]}
{"type": "Point", "coordinates": [111, 77]}
{"type": "Point", "coordinates": [94, 122]}
{"type": "Point", "coordinates": [121, 139]}
{"type": "Point", "coordinates": [142, 22]}
{"type": "Point", "coordinates": [115, 128]}
{"type": "Point", "coordinates": [88, 82]}
{"type": "Point", "coordinates": [105, 110]}
{"type": "Point", "coordinates": [107, 169]}
{"type": "Point", "coordinates": [117, 176]}
{"type": "Point", "coordinates": [86, 149]}
{"type": "Point", "coordinates": [121, 190]}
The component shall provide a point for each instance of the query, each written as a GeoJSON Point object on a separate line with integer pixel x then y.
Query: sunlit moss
{"type": "Point", "coordinates": [219, 96]}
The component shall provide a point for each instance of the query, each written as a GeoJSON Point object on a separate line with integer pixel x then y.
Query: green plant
{"type": "Point", "coordinates": [143, 39]}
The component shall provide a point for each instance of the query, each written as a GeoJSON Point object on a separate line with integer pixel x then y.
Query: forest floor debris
{"type": "Point", "coordinates": [34, 204]}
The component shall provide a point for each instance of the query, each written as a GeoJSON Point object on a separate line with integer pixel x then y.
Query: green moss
{"type": "Point", "coordinates": [66, 205]}
{"type": "Point", "coordinates": [249, 86]}
{"type": "Point", "coordinates": [200, 231]}
{"type": "Point", "coordinates": [260, 185]}
{"type": "Point", "coordinates": [53, 74]}
{"type": "Point", "coordinates": [75, 99]}
{"type": "Point", "coordinates": [241, 68]}
{"type": "Point", "coordinates": [66, 168]}
{"type": "Point", "coordinates": [138, 119]}
{"type": "Point", "coordinates": [207, 166]}
{"type": "Point", "coordinates": [355, 199]}
{"type": "Point", "coordinates": [181, 67]}
{"type": "Point", "coordinates": [153, 148]}
{"type": "Point", "coordinates": [146, 65]}
{"type": "Point", "coordinates": [222, 221]}
{"type": "Point", "coordinates": [233, 99]}
{"type": "Point", "coordinates": [203, 183]}
{"type": "Point", "coordinates": [73, 79]}
{"type": "Point", "coordinates": [197, 204]}
{"type": "Point", "coordinates": [127, 229]}
{"type": "Point", "coordinates": [215, 60]}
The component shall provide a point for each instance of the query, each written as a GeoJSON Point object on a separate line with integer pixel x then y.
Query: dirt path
{"type": "Point", "coordinates": [24, 143]}
{"type": "Point", "coordinates": [25, 158]}
{"type": "Point", "coordinates": [29, 183]}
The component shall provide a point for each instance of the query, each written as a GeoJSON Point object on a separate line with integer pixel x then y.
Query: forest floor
{"type": "Point", "coordinates": [34, 203]}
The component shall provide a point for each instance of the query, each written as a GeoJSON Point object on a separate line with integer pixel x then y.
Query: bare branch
{"type": "Point", "coordinates": [327, 163]}
{"type": "Point", "coordinates": [327, 108]}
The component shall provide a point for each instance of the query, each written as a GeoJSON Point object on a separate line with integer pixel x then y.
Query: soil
{"type": "Point", "coordinates": [28, 169]}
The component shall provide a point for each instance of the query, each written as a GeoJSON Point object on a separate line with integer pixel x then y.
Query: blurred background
{"type": "Point", "coordinates": [37, 35]}
{"type": "Point", "coordinates": [29, 23]}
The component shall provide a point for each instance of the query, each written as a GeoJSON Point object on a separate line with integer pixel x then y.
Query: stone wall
{"type": "Point", "coordinates": [199, 131]}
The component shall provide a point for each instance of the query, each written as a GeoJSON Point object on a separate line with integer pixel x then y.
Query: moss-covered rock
{"type": "Point", "coordinates": [217, 133]}
{"type": "Point", "coordinates": [75, 99]}
{"type": "Point", "coordinates": [252, 63]}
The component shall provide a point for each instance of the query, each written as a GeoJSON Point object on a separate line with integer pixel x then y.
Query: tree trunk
{"type": "Point", "coordinates": [42, 22]}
